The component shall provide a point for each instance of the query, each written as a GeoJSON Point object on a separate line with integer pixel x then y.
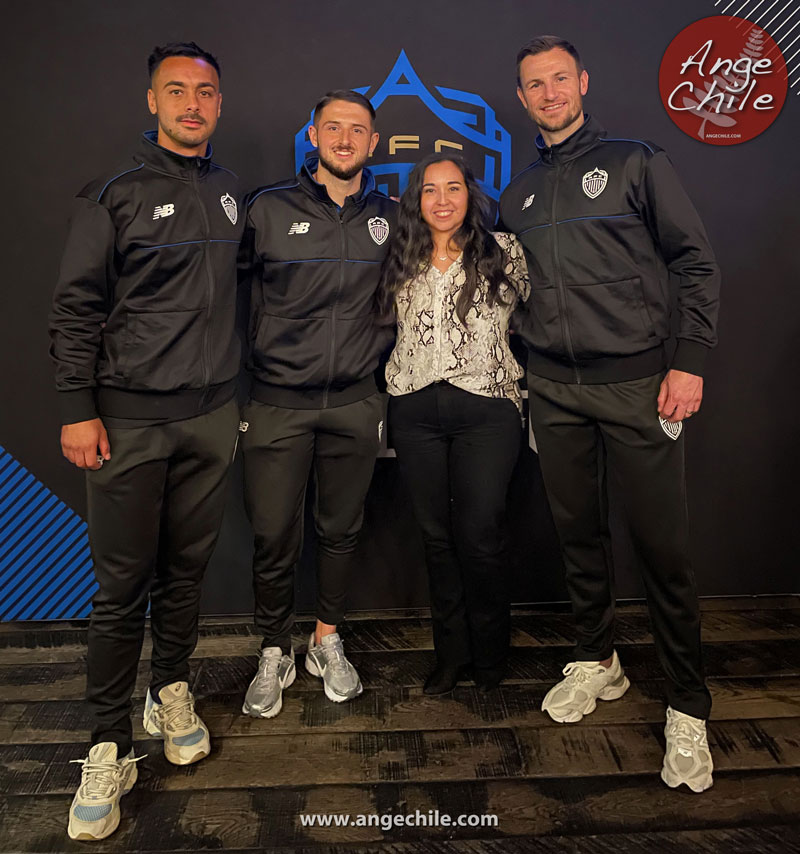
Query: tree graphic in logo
{"type": "Point", "coordinates": [723, 80]}
{"type": "Point", "coordinates": [730, 83]}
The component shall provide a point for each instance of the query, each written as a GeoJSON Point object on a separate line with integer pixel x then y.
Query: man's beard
{"type": "Point", "coordinates": [340, 172]}
{"type": "Point", "coordinates": [563, 123]}
{"type": "Point", "coordinates": [186, 136]}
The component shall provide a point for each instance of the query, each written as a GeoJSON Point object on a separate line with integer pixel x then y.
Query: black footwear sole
{"type": "Point", "coordinates": [443, 680]}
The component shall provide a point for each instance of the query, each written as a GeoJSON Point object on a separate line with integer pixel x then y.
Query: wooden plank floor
{"type": "Point", "coordinates": [588, 787]}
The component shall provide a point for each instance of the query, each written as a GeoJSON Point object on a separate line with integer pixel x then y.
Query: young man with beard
{"type": "Point", "coordinates": [604, 223]}
{"type": "Point", "coordinates": [146, 360]}
{"type": "Point", "coordinates": [317, 242]}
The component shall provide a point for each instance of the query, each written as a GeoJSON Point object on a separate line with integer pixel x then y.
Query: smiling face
{"type": "Point", "coordinates": [185, 97]}
{"type": "Point", "coordinates": [551, 90]}
{"type": "Point", "coordinates": [344, 137]}
{"type": "Point", "coordinates": [443, 200]}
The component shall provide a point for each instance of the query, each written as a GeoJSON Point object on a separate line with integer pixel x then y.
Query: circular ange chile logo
{"type": "Point", "coordinates": [723, 80]}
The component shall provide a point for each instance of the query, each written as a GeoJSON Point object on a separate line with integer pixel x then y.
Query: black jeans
{"type": "Point", "coordinates": [581, 432]}
{"type": "Point", "coordinates": [154, 512]}
{"type": "Point", "coordinates": [280, 448]}
{"type": "Point", "coordinates": [456, 451]}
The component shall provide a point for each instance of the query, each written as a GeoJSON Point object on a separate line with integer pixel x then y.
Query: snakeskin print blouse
{"type": "Point", "coordinates": [433, 344]}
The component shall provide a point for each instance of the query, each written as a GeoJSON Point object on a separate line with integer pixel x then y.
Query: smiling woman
{"type": "Point", "coordinates": [443, 206]}
{"type": "Point", "coordinates": [454, 408]}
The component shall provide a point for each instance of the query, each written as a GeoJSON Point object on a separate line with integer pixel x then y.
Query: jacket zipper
{"type": "Point", "coordinates": [210, 272]}
{"type": "Point", "coordinates": [560, 289]}
{"type": "Point", "coordinates": [342, 256]}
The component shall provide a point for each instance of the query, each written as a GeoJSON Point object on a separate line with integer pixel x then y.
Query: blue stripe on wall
{"type": "Point", "coordinates": [45, 564]}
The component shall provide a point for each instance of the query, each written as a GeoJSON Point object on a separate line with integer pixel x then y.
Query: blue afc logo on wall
{"type": "Point", "coordinates": [471, 128]}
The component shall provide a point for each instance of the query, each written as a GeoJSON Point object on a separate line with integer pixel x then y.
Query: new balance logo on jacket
{"type": "Point", "coordinates": [163, 210]}
{"type": "Point", "coordinates": [299, 228]}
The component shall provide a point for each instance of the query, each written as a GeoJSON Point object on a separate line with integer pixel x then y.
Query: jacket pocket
{"type": "Point", "coordinates": [259, 332]}
{"type": "Point", "coordinates": [358, 346]}
{"type": "Point", "coordinates": [540, 323]}
{"type": "Point", "coordinates": [117, 341]}
{"type": "Point", "coordinates": [292, 351]}
{"type": "Point", "coordinates": [609, 319]}
{"type": "Point", "coordinates": [163, 351]}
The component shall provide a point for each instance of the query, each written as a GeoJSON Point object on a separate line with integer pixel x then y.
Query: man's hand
{"type": "Point", "coordinates": [680, 395]}
{"type": "Point", "coordinates": [85, 444]}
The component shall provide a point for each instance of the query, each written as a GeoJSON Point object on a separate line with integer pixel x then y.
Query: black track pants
{"type": "Point", "coordinates": [581, 432]}
{"type": "Point", "coordinates": [155, 509]}
{"type": "Point", "coordinates": [281, 447]}
{"type": "Point", "coordinates": [456, 451]}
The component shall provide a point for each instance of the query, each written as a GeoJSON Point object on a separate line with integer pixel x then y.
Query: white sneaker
{"type": "Point", "coordinates": [587, 681]}
{"type": "Point", "coordinates": [276, 671]}
{"type": "Point", "coordinates": [94, 813]}
{"type": "Point", "coordinates": [328, 661]}
{"type": "Point", "coordinates": [174, 719]}
{"type": "Point", "coordinates": [687, 759]}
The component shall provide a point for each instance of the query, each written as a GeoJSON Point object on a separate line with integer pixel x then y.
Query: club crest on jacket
{"type": "Point", "coordinates": [229, 206]}
{"type": "Point", "coordinates": [594, 182]}
{"type": "Point", "coordinates": [378, 229]}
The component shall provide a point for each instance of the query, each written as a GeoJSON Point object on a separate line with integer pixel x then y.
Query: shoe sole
{"type": "Point", "coordinates": [274, 709]}
{"type": "Point", "coordinates": [439, 693]}
{"type": "Point", "coordinates": [610, 692]}
{"type": "Point", "coordinates": [339, 698]}
{"type": "Point", "coordinates": [177, 759]}
{"type": "Point", "coordinates": [85, 834]}
{"type": "Point", "coordinates": [312, 668]}
{"type": "Point", "coordinates": [676, 782]}
{"type": "Point", "coordinates": [151, 728]}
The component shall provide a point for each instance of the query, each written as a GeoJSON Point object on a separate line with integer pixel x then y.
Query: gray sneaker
{"type": "Point", "coordinates": [327, 660]}
{"type": "Point", "coordinates": [276, 671]}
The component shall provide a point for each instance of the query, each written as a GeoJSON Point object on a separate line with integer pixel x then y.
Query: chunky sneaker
{"type": "Point", "coordinates": [94, 813]}
{"type": "Point", "coordinates": [688, 759]}
{"type": "Point", "coordinates": [327, 660]}
{"type": "Point", "coordinates": [276, 671]}
{"type": "Point", "coordinates": [174, 719]}
{"type": "Point", "coordinates": [587, 681]}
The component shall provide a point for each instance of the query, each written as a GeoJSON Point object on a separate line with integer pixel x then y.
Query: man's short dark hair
{"type": "Point", "coordinates": [344, 95]}
{"type": "Point", "coordinates": [191, 49]}
{"type": "Point", "coordinates": [540, 44]}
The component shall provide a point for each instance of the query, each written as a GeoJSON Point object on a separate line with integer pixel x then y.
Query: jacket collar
{"type": "Point", "coordinates": [584, 138]}
{"type": "Point", "coordinates": [164, 160]}
{"type": "Point", "coordinates": [307, 180]}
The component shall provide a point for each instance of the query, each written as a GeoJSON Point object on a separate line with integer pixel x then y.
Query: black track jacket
{"type": "Point", "coordinates": [143, 315]}
{"type": "Point", "coordinates": [603, 223]}
{"type": "Point", "coordinates": [314, 337]}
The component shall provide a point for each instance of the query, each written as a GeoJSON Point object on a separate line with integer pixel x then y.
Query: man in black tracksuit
{"type": "Point", "coordinates": [146, 360]}
{"type": "Point", "coordinates": [317, 241]}
{"type": "Point", "coordinates": [604, 223]}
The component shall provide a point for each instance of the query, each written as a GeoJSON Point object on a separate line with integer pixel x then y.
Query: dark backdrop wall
{"type": "Point", "coordinates": [75, 103]}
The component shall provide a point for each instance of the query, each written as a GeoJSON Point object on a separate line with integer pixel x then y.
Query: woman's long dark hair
{"type": "Point", "coordinates": [412, 245]}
